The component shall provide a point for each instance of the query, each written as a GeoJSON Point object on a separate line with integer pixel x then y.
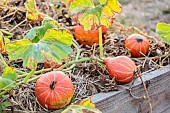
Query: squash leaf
{"type": "Point", "coordinates": [4, 105]}
{"type": "Point", "coordinates": [8, 77]}
{"type": "Point", "coordinates": [54, 46]}
{"type": "Point", "coordinates": [79, 5]}
{"type": "Point", "coordinates": [32, 12]}
{"type": "Point", "coordinates": [37, 33]}
{"type": "Point", "coordinates": [91, 15]}
{"type": "Point", "coordinates": [163, 30]}
{"type": "Point", "coordinates": [82, 105]}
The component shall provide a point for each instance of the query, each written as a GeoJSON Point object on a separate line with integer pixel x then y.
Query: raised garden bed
{"type": "Point", "coordinates": [158, 84]}
{"type": "Point", "coordinates": [85, 65]}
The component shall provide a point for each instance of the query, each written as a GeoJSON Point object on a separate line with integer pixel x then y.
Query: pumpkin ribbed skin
{"type": "Point", "coordinates": [137, 43]}
{"type": "Point", "coordinates": [121, 68]}
{"type": "Point", "coordinates": [54, 90]}
{"type": "Point", "coordinates": [87, 37]}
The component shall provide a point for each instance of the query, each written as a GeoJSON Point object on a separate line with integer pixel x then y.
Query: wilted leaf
{"type": "Point", "coordinates": [85, 104]}
{"type": "Point", "coordinates": [8, 77]}
{"type": "Point", "coordinates": [2, 39]}
{"type": "Point", "coordinates": [54, 46]}
{"type": "Point", "coordinates": [37, 33]}
{"type": "Point", "coordinates": [91, 15]}
{"type": "Point", "coordinates": [163, 30]}
{"type": "Point", "coordinates": [32, 12]}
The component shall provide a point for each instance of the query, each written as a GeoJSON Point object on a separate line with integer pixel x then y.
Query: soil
{"type": "Point", "coordinates": [90, 77]}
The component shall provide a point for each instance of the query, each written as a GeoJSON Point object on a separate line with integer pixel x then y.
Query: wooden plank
{"type": "Point", "coordinates": [122, 102]}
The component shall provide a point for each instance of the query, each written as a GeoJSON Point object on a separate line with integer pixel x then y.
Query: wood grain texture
{"type": "Point", "coordinates": [122, 102]}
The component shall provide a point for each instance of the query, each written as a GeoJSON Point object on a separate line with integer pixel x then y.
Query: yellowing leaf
{"type": "Point", "coordinates": [8, 77]}
{"type": "Point", "coordinates": [53, 46]}
{"type": "Point", "coordinates": [81, 105]}
{"type": "Point", "coordinates": [32, 12]}
{"type": "Point", "coordinates": [93, 16]}
{"type": "Point", "coordinates": [102, 1]}
{"type": "Point", "coordinates": [79, 5]}
{"type": "Point", "coordinates": [37, 33]}
{"type": "Point", "coordinates": [163, 30]}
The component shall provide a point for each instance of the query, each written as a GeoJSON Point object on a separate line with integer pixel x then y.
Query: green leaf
{"type": "Point", "coordinates": [8, 77]}
{"type": "Point", "coordinates": [102, 1]}
{"type": "Point", "coordinates": [4, 105]}
{"type": "Point", "coordinates": [37, 33]}
{"type": "Point", "coordinates": [54, 46]}
{"type": "Point", "coordinates": [81, 105]}
{"type": "Point", "coordinates": [9, 73]}
{"type": "Point", "coordinates": [32, 12]}
{"type": "Point", "coordinates": [92, 15]}
{"type": "Point", "coordinates": [163, 30]}
{"type": "Point", "coordinates": [79, 5]}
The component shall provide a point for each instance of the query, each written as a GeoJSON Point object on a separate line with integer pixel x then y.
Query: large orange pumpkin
{"type": "Point", "coordinates": [137, 44]}
{"type": "Point", "coordinates": [54, 90]}
{"type": "Point", "coordinates": [87, 37]}
{"type": "Point", "coordinates": [121, 68]}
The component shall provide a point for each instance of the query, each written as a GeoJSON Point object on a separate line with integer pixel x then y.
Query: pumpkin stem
{"type": "Point", "coordinates": [52, 84]}
{"type": "Point", "coordinates": [139, 39]}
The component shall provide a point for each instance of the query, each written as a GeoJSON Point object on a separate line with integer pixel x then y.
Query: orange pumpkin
{"type": "Point", "coordinates": [121, 68]}
{"type": "Point", "coordinates": [54, 90]}
{"type": "Point", "coordinates": [87, 37]}
{"type": "Point", "coordinates": [137, 44]}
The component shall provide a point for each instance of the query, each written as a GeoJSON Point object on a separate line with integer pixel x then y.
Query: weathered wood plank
{"type": "Point", "coordinates": [122, 102]}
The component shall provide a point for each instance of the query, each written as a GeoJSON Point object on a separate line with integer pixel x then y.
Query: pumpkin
{"type": "Point", "coordinates": [54, 90]}
{"type": "Point", "coordinates": [50, 64]}
{"type": "Point", "coordinates": [87, 37]}
{"type": "Point", "coordinates": [120, 68]}
{"type": "Point", "coordinates": [137, 44]}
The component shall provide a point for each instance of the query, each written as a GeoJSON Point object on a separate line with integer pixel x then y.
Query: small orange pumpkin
{"type": "Point", "coordinates": [87, 37]}
{"type": "Point", "coordinates": [121, 68]}
{"type": "Point", "coordinates": [54, 90]}
{"type": "Point", "coordinates": [137, 44]}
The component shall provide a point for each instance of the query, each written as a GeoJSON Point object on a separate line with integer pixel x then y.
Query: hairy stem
{"type": "Point", "coordinates": [36, 72]}
{"type": "Point", "coordinates": [30, 74]}
{"type": "Point", "coordinates": [77, 56]}
{"type": "Point", "coordinates": [73, 62]}
{"type": "Point", "coordinates": [100, 42]}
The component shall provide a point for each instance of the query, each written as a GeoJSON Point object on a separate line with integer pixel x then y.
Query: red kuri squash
{"type": "Point", "coordinates": [137, 44]}
{"type": "Point", "coordinates": [54, 90]}
{"type": "Point", "coordinates": [121, 68]}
